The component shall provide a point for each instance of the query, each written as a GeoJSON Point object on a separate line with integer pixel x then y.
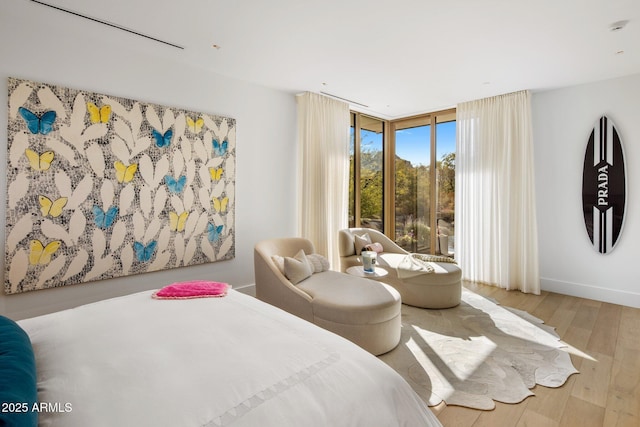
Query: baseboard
{"type": "Point", "coordinates": [614, 296]}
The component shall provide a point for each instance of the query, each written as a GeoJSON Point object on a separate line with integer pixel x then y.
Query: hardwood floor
{"type": "Point", "coordinates": [604, 342]}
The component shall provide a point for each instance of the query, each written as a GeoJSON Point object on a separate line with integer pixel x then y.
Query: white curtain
{"type": "Point", "coordinates": [323, 168]}
{"type": "Point", "coordinates": [496, 230]}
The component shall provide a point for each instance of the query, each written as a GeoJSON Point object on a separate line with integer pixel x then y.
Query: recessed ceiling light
{"type": "Point", "coordinates": [617, 26]}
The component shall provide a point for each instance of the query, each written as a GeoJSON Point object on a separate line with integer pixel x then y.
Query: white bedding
{"type": "Point", "coordinates": [137, 361]}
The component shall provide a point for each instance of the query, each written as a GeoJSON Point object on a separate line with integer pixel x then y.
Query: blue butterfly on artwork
{"type": "Point", "coordinates": [162, 140]}
{"type": "Point", "coordinates": [38, 124]}
{"type": "Point", "coordinates": [144, 253]}
{"type": "Point", "coordinates": [104, 219]}
{"type": "Point", "coordinates": [175, 186]}
{"type": "Point", "coordinates": [220, 148]}
{"type": "Point", "coordinates": [214, 232]}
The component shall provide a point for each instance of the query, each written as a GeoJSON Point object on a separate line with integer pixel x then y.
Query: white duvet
{"type": "Point", "coordinates": [232, 361]}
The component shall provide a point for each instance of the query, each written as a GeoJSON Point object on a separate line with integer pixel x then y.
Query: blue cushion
{"type": "Point", "coordinates": [18, 391]}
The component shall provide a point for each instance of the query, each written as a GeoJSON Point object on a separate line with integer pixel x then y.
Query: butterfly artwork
{"type": "Point", "coordinates": [214, 232]}
{"type": "Point", "coordinates": [220, 204]}
{"type": "Point", "coordinates": [125, 173]}
{"type": "Point", "coordinates": [38, 124]}
{"type": "Point", "coordinates": [104, 219]}
{"type": "Point", "coordinates": [101, 187]}
{"type": "Point", "coordinates": [177, 222]}
{"type": "Point", "coordinates": [39, 162]}
{"type": "Point", "coordinates": [50, 207]}
{"type": "Point", "coordinates": [144, 253]}
{"type": "Point", "coordinates": [175, 186]}
{"type": "Point", "coordinates": [162, 140]}
{"type": "Point", "coordinates": [195, 126]}
{"type": "Point", "coordinates": [216, 174]}
{"type": "Point", "coordinates": [219, 149]}
{"type": "Point", "coordinates": [41, 254]}
{"type": "Point", "coordinates": [99, 114]}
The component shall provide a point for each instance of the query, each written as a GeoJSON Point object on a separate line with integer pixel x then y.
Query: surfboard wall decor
{"type": "Point", "coordinates": [604, 186]}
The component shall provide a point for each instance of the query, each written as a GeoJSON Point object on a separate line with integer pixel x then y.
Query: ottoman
{"type": "Point", "coordinates": [441, 288]}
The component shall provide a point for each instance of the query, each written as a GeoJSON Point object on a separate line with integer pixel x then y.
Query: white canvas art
{"type": "Point", "coordinates": [101, 186]}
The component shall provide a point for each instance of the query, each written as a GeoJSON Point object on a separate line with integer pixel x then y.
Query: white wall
{"type": "Point", "coordinates": [563, 120]}
{"type": "Point", "coordinates": [41, 44]}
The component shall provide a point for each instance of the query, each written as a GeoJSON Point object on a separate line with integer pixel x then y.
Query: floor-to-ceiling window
{"type": "Point", "coordinates": [404, 185]}
{"type": "Point", "coordinates": [412, 184]}
{"type": "Point", "coordinates": [366, 193]}
{"type": "Point", "coordinates": [445, 182]}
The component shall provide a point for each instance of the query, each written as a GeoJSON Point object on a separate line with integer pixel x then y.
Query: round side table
{"type": "Point", "coordinates": [358, 270]}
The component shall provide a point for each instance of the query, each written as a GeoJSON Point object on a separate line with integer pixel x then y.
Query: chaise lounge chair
{"type": "Point", "coordinates": [364, 311]}
{"type": "Point", "coordinates": [441, 287]}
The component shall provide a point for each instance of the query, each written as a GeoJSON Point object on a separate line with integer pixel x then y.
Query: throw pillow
{"type": "Point", "coordinates": [17, 375]}
{"type": "Point", "coordinates": [318, 262]}
{"type": "Point", "coordinates": [375, 247]}
{"type": "Point", "coordinates": [192, 289]}
{"type": "Point", "coordinates": [279, 262]}
{"type": "Point", "coordinates": [297, 269]}
{"type": "Point", "coordinates": [361, 242]}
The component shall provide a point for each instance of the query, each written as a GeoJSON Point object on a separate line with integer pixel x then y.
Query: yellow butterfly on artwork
{"type": "Point", "coordinates": [195, 126]}
{"type": "Point", "coordinates": [125, 173]}
{"type": "Point", "coordinates": [220, 205]}
{"type": "Point", "coordinates": [52, 207]}
{"type": "Point", "coordinates": [41, 254]}
{"type": "Point", "coordinates": [99, 114]}
{"type": "Point", "coordinates": [39, 162]}
{"type": "Point", "coordinates": [177, 222]}
{"type": "Point", "coordinates": [216, 174]}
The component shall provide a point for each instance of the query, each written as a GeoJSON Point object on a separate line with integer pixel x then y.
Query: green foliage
{"type": "Point", "coordinates": [413, 235]}
{"type": "Point", "coordinates": [412, 195]}
{"type": "Point", "coordinates": [371, 181]}
{"type": "Point", "coordinates": [447, 186]}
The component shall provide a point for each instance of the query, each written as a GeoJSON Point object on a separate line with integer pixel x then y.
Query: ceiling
{"type": "Point", "coordinates": [390, 59]}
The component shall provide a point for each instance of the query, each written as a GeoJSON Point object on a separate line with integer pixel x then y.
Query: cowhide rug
{"type": "Point", "coordinates": [477, 353]}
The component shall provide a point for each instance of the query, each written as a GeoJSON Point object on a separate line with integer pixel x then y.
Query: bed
{"type": "Point", "coordinates": [231, 361]}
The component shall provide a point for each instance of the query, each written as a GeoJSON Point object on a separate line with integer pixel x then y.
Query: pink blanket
{"type": "Point", "coordinates": [192, 289]}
